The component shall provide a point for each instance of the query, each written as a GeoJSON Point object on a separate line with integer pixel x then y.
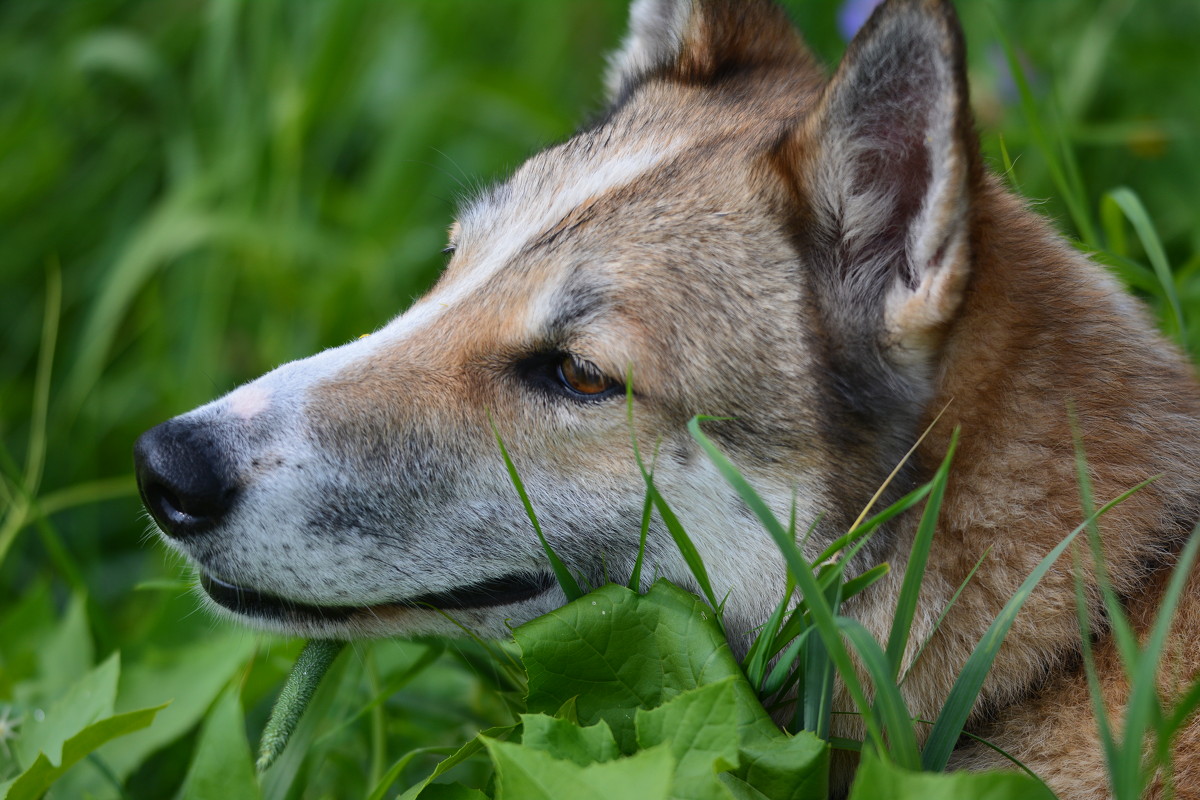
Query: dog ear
{"type": "Point", "coordinates": [695, 41]}
{"type": "Point", "coordinates": [885, 167]}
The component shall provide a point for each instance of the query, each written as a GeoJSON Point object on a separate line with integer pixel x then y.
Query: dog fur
{"type": "Point", "coordinates": [826, 264]}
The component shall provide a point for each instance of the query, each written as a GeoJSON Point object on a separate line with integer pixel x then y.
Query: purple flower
{"type": "Point", "coordinates": [853, 15]}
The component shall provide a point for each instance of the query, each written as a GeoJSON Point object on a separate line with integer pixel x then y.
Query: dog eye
{"type": "Point", "coordinates": [583, 377]}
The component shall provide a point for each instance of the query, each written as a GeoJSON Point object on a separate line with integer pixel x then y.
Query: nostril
{"type": "Point", "coordinates": [159, 496]}
{"type": "Point", "coordinates": [183, 479]}
{"type": "Point", "coordinates": [166, 506]}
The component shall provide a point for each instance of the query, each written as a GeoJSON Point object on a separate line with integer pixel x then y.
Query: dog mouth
{"type": "Point", "coordinates": [483, 594]}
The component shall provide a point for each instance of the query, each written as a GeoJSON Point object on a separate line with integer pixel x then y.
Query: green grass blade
{"type": "Point", "coordinates": [1009, 165]}
{"type": "Point", "coordinates": [683, 541]}
{"type": "Point", "coordinates": [945, 611]}
{"type": "Point", "coordinates": [821, 611]}
{"type": "Point", "coordinates": [1184, 707]}
{"type": "Point", "coordinates": [948, 726]}
{"type": "Point", "coordinates": [1112, 220]}
{"type": "Point", "coordinates": [1071, 193]}
{"type": "Point", "coordinates": [1134, 211]}
{"type": "Point", "coordinates": [1122, 631]}
{"type": "Point", "coordinates": [800, 619]}
{"type": "Point", "coordinates": [865, 580]}
{"type": "Point", "coordinates": [35, 459]}
{"type": "Point", "coordinates": [1016, 762]}
{"type": "Point", "coordinates": [566, 580]}
{"type": "Point", "coordinates": [815, 712]}
{"type": "Point", "coordinates": [1099, 710]}
{"type": "Point", "coordinates": [26, 486]}
{"type": "Point", "coordinates": [888, 702]}
{"type": "Point", "coordinates": [869, 527]}
{"type": "Point", "coordinates": [687, 548]}
{"type": "Point", "coordinates": [914, 572]}
{"type": "Point", "coordinates": [784, 673]}
{"type": "Point", "coordinates": [763, 647]}
{"type": "Point", "coordinates": [311, 665]}
{"type": "Point", "coordinates": [635, 576]}
{"type": "Point", "coordinates": [862, 529]}
{"type": "Point", "coordinates": [82, 494]}
{"type": "Point", "coordinates": [1143, 705]}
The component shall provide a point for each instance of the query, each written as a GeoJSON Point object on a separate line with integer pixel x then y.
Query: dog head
{"type": "Point", "coordinates": [736, 236]}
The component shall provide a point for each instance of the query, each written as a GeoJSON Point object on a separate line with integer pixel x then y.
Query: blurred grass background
{"type": "Point", "coordinates": [194, 191]}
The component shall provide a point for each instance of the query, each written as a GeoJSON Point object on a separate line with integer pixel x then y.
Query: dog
{"type": "Point", "coordinates": [824, 264]}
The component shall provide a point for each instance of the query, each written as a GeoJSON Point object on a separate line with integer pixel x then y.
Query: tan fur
{"type": "Point", "coordinates": [827, 265]}
{"type": "Point", "coordinates": [1036, 337]}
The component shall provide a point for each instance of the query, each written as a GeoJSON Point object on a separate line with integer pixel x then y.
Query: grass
{"type": "Point", "coordinates": [192, 193]}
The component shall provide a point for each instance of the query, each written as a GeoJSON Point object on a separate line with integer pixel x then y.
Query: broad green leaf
{"type": "Point", "coordinates": [876, 780]}
{"type": "Point", "coordinates": [523, 773]}
{"type": "Point", "coordinates": [88, 700]}
{"type": "Point", "coordinates": [701, 729]}
{"type": "Point", "coordinates": [617, 651]}
{"type": "Point", "coordinates": [221, 768]}
{"type": "Point", "coordinates": [787, 768]}
{"type": "Point", "coordinates": [567, 740]}
{"type": "Point", "coordinates": [190, 678]}
{"type": "Point", "coordinates": [568, 711]}
{"type": "Point", "coordinates": [33, 783]}
{"type": "Point", "coordinates": [739, 789]}
{"type": "Point", "coordinates": [67, 654]}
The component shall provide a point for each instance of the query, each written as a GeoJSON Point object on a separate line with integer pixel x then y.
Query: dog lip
{"type": "Point", "coordinates": [482, 594]}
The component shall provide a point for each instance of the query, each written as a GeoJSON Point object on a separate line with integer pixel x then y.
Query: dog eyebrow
{"type": "Point", "coordinates": [574, 219]}
{"type": "Point", "coordinates": [580, 299]}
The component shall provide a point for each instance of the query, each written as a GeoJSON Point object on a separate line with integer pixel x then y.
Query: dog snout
{"type": "Point", "coordinates": [185, 482]}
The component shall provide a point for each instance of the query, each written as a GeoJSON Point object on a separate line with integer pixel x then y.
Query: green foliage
{"type": "Point", "coordinates": [638, 695]}
{"type": "Point", "coordinates": [878, 780]}
{"type": "Point", "coordinates": [194, 192]}
{"type": "Point", "coordinates": [221, 767]}
{"type": "Point", "coordinates": [77, 725]}
{"type": "Point", "coordinates": [615, 651]}
{"type": "Point", "coordinates": [315, 660]}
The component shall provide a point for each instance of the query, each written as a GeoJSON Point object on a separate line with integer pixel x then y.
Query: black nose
{"type": "Point", "coordinates": [184, 478]}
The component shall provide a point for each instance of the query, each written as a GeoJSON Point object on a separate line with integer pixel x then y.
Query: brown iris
{"type": "Point", "coordinates": [583, 376]}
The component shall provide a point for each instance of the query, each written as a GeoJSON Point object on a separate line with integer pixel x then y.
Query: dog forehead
{"type": "Point", "coordinates": [665, 142]}
{"type": "Point", "coordinates": [551, 186]}
{"type": "Point", "coordinates": [587, 220]}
